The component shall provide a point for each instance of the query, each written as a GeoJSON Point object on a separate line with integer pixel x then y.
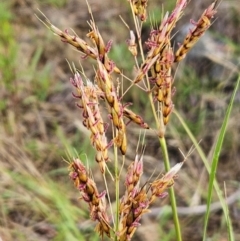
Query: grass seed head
{"type": "Point", "coordinates": [140, 8]}
{"type": "Point", "coordinates": [137, 119]}
{"type": "Point", "coordinates": [194, 35]}
{"type": "Point", "coordinates": [90, 194]}
{"type": "Point", "coordinates": [92, 118]}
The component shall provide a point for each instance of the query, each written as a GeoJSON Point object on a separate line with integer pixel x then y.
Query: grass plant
{"type": "Point", "coordinates": [154, 70]}
{"type": "Point", "coordinates": [116, 191]}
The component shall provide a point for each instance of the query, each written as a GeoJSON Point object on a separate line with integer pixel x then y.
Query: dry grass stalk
{"type": "Point", "coordinates": [156, 68]}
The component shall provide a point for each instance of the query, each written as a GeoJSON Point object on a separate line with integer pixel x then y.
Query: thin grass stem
{"type": "Point", "coordinates": [163, 145]}
{"type": "Point", "coordinates": [109, 199]}
{"type": "Point", "coordinates": [116, 191]}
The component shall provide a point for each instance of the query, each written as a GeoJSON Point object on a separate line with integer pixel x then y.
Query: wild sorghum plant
{"type": "Point", "coordinates": [154, 71]}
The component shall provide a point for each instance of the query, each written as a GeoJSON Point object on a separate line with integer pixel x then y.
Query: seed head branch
{"type": "Point", "coordinates": [194, 35]}
{"type": "Point", "coordinates": [89, 193]}
{"type": "Point", "coordinates": [92, 118]}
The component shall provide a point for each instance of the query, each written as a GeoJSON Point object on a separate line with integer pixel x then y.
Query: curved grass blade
{"type": "Point", "coordinates": [216, 154]}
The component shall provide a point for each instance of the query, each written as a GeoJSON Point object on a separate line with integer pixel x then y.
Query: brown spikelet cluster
{"type": "Point", "coordinates": [137, 200]}
{"type": "Point", "coordinates": [104, 88]}
{"type": "Point", "coordinates": [90, 194]}
{"type": "Point", "coordinates": [159, 61]}
{"type": "Point", "coordinates": [160, 58]}
{"type": "Point", "coordinates": [115, 107]}
{"type": "Point", "coordinates": [134, 203]}
{"type": "Point", "coordinates": [194, 35]}
{"type": "Point", "coordinates": [140, 8]}
{"type": "Point", "coordinates": [92, 119]}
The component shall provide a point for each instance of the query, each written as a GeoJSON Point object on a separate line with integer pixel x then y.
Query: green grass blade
{"type": "Point", "coordinates": [229, 223]}
{"type": "Point", "coordinates": [205, 161]}
{"type": "Point", "coordinates": [215, 164]}
{"type": "Point", "coordinates": [201, 154]}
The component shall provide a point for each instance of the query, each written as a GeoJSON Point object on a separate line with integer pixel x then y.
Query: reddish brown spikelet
{"type": "Point", "coordinates": [88, 101]}
{"type": "Point", "coordinates": [140, 8]}
{"type": "Point", "coordinates": [135, 201]}
{"type": "Point", "coordinates": [115, 108]}
{"type": "Point", "coordinates": [102, 49]}
{"type": "Point", "coordinates": [132, 47]}
{"type": "Point", "coordinates": [135, 118]}
{"type": "Point", "coordinates": [159, 186]}
{"type": "Point", "coordinates": [134, 173]}
{"type": "Point", "coordinates": [90, 194]}
{"type": "Point", "coordinates": [73, 40]}
{"type": "Point", "coordinates": [159, 39]}
{"type": "Point", "coordinates": [200, 28]}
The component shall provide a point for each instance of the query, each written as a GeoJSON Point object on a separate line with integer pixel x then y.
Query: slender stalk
{"type": "Point", "coordinates": [116, 190]}
{"type": "Point", "coordinates": [163, 145]}
{"type": "Point", "coordinates": [109, 199]}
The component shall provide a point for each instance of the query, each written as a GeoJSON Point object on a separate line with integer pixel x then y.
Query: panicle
{"type": "Point", "coordinates": [156, 67]}
{"type": "Point", "coordinates": [92, 119]}
{"type": "Point", "coordinates": [136, 199]}
{"type": "Point", "coordinates": [194, 35]}
{"type": "Point", "coordinates": [115, 108]}
{"type": "Point", "coordinates": [134, 203]}
{"type": "Point", "coordinates": [89, 193]}
{"type": "Point", "coordinates": [158, 62]}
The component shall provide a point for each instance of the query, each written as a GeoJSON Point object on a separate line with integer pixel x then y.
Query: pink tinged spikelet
{"type": "Point", "coordinates": [108, 46]}
{"type": "Point", "coordinates": [162, 195]}
{"type": "Point", "coordinates": [193, 36]}
{"type": "Point", "coordinates": [144, 69]}
{"type": "Point", "coordinates": [172, 172]}
{"type": "Point", "coordinates": [181, 4]}
{"type": "Point", "coordinates": [159, 186]}
{"type": "Point", "coordinates": [138, 165]}
{"type": "Point", "coordinates": [73, 175]}
{"type": "Point", "coordinates": [132, 47]}
{"type": "Point", "coordinates": [88, 102]}
{"type": "Point", "coordinates": [134, 118]}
